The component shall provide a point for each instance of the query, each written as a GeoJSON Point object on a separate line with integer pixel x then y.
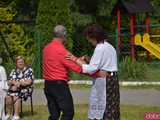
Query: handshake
{"type": "Point", "coordinates": [85, 60]}
{"type": "Point", "coordinates": [81, 60]}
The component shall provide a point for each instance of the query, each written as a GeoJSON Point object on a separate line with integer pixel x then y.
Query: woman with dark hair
{"type": "Point", "coordinates": [104, 99]}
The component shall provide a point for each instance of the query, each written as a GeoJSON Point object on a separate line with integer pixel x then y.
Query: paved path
{"type": "Point", "coordinates": [128, 97]}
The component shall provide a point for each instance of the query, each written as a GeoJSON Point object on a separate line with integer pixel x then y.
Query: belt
{"type": "Point", "coordinates": [103, 73]}
{"type": "Point", "coordinates": [112, 73]}
{"type": "Point", "coordinates": [56, 81]}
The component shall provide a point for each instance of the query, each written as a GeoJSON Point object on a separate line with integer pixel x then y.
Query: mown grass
{"type": "Point", "coordinates": [127, 112]}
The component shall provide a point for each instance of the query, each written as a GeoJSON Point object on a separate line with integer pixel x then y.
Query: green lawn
{"type": "Point", "coordinates": [127, 112]}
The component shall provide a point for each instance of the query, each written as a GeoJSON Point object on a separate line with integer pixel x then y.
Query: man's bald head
{"type": "Point", "coordinates": [60, 31]}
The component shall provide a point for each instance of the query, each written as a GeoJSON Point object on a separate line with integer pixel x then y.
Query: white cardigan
{"type": "Point", "coordinates": [3, 78]}
{"type": "Point", "coordinates": [104, 58]}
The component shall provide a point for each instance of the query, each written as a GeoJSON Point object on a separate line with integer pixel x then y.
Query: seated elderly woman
{"type": "Point", "coordinates": [20, 81]}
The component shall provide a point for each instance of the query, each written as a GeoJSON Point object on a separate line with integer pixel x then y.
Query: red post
{"type": "Point", "coordinates": [132, 30]}
{"type": "Point", "coordinates": [147, 31]}
{"type": "Point", "coordinates": [147, 23]}
{"type": "Point", "coordinates": [119, 28]}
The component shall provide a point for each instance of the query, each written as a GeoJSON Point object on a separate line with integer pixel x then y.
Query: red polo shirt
{"type": "Point", "coordinates": [55, 65]}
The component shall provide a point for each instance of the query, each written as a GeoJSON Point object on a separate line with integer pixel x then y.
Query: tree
{"type": "Point", "coordinates": [52, 13]}
{"type": "Point", "coordinates": [89, 12]}
{"type": "Point", "coordinates": [156, 5]}
{"type": "Point", "coordinates": [15, 37]}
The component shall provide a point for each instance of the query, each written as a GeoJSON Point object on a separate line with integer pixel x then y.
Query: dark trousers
{"type": "Point", "coordinates": [59, 98]}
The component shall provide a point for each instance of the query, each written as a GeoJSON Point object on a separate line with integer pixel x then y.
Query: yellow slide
{"type": "Point", "coordinates": [147, 44]}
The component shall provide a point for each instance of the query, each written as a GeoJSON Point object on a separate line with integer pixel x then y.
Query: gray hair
{"type": "Point", "coordinates": [60, 31]}
{"type": "Point", "coordinates": [1, 60]}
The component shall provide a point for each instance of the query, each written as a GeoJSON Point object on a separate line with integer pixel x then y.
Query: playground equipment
{"type": "Point", "coordinates": [131, 9]}
{"type": "Point", "coordinates": [146, 43]}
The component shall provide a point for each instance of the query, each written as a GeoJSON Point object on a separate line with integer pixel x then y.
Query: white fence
{"type": "Point", "coordinates": [123, 83]}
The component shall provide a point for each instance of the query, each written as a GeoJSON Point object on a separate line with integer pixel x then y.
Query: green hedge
{"type": "Point", "coordinates": [51, 13]}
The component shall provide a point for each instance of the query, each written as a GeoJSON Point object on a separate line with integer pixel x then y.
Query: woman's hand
{"type": "Point", "coordinates": [14, 88]}
{"type": "Point", "coordinates": [25, 82]}
{"type": "Point", "coordinates": [85, 58]}
{"type": "Point", "coordinates": [17, 84]}
{"type": "Point", "coordinates": [12, 82]}
{"type": "Point", "coordinates": [80, 62]}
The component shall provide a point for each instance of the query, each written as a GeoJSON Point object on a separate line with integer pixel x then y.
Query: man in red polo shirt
{"type": "Point", "coordinates": [55, 74]}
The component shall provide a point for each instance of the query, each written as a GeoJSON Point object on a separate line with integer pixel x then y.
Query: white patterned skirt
{"type": "Point", "coordinates": [97, 99]}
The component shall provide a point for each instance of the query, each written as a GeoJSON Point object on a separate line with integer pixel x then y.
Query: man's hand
{"type": "Point", "coordinates": [70, 56]}
{"type": "Point", "coordinates": [80, 61]}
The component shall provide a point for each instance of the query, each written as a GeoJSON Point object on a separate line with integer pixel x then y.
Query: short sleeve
{"type": "Point", "coordinates": [12, 75]}
{"type": "Point", "coordinates": [29, 74]}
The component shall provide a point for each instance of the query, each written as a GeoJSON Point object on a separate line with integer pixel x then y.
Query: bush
{"type": "Point", "coordinates": [13, 40]}
{"type": "Point", "coordinates": [52, 13]}
{"type": "Point", "coordinates": [9, 67]}
{"type": "Point", "coordinates": [132, 70]}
